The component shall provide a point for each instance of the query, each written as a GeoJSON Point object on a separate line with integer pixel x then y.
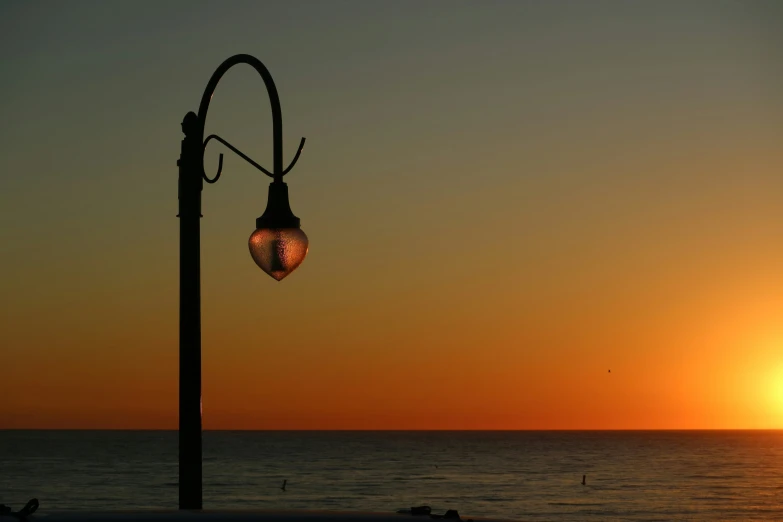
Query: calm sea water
{"type": "Point", "coordinates": [516, 475]}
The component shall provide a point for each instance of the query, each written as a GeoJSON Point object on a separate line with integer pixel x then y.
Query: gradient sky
{"type": "Point", "coordinates": [504, 200]}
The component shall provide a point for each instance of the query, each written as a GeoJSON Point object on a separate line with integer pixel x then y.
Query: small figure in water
{"type": "Point", "coordinates": [583, 479]}
{"type": "Point", "coordinates": [283, 486]}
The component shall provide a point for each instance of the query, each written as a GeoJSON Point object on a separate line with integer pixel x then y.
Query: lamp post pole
{"type": "Point", "coordinates": [278, 246]}
{"type": "Point", "coordinates": [190, 185]}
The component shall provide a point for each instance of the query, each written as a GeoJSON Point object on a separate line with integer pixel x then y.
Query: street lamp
{"type": "Point", "coordinates": [278, 246]}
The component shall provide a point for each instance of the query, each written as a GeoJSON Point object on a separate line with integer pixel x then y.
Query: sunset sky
{"type": "Point", "coordinates": [504, 200]}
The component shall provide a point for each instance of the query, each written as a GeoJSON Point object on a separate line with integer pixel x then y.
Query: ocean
{"type": "Point", "coordinates": [518, 475]}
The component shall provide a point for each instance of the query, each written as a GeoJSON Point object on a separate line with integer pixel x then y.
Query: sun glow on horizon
{"type": "Point", "coordinates": [772, 383]}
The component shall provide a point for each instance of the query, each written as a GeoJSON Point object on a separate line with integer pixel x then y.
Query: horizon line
{"type": "Point", "coordinates": [407, 430]}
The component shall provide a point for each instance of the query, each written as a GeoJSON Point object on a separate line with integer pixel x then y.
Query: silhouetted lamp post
{"type": "Point", "coordinates": [277, 245]}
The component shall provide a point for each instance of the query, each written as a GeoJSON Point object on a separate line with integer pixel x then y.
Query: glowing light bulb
{"type": "Point", "coordinates": [278, 251]}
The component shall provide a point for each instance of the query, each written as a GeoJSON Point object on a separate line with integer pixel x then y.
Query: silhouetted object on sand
{"type": "Point", "coordinates": [427, 511]}
{"type": "Point", "coordinates": [283, 486]}
{"type": "Point", "coordinates": [584, 482]}
{"type": "Point", "coordinates": [28, 509]}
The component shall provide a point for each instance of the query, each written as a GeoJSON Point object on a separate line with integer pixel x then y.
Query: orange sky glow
{"type": "Point", "coordinates": [595, 191]}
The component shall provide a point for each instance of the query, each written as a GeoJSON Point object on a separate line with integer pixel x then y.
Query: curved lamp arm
{"type": "Point", "coordinates": [277, 119]}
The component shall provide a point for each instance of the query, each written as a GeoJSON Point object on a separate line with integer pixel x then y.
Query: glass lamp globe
{"type": "Point", "coordinates": [278, 245]}
{"type": "Point", "coordinates": [278, 251]}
